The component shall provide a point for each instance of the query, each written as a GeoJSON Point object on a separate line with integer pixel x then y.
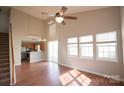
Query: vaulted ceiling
{"type": "Point", "coordinates": [36, 10]}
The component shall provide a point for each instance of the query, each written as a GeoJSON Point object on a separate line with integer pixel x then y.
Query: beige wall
{"type": "Point", "coordinates": [36, 27]}
{"type": "Point", "coordinates": [122, 29]}
{"type": "Point", "coordinates": [91, 23]}
{"type": "Point", "coordinates": [22, 26]}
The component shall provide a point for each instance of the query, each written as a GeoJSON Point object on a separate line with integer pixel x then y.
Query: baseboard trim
{"type": "Point", "coordinates": [18, 64]}
{"type": "Point", "coordinates": [12, 84]}
{"type": "Point", "coordinates": [92, 72]}
{"type": "Point", "coordinates": [42, 60]}
{"type": "Point", "coordinates": [35, 61]}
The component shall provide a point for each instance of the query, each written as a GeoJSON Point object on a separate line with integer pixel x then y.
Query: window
{"type": "Point", "coordinates": [72, 47]}
{"type": "Point", "coordinates": [106, 46]}
{"type": "Point", "coordinates": [86, 46]}
{"type": "Point", "coordinates": [53, 51]}
{"type": "Point", "coordinates": [52, 31]}
{"type": "Point", "coordinates": [38, 48]}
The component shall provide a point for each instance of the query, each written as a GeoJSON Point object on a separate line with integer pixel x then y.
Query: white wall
{"type": "Point", "coordinates": [91, 22]}
{"type": "Point", "coordinates": [22, 26]}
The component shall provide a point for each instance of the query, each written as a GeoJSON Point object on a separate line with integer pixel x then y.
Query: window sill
{"type": "Point", "coordinates": [89, 58]}
{"type": "Point", "coordinates": [73, 56]}
{"type": "Point", "coordinates": [104, 59]}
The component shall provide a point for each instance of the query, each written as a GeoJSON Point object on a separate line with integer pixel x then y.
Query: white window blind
{"type": "Point", "coordinates": [104, 37]}
{"type": "Point", "coordinates": [72, 40]}
{"type": "Point", "coordinates": [106, 46]}
{"type": "Point", "coordinates": [84, 39]}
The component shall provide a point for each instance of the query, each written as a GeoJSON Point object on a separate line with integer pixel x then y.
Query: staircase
{"type": "Point", "coordinates": [4, 60]}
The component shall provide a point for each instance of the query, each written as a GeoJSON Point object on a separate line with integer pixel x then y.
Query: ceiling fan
{"type": "Point", "coordinates": [59, 16]}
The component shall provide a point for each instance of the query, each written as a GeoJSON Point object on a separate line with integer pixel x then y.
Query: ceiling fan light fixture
{"type": "Point", "coordinates": [59, 19]}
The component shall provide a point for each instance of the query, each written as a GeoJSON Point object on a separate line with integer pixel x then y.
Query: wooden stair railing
{"type": "Point", "coordinates": [12, 53]}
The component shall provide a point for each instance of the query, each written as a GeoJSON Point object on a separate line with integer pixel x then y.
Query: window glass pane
{"type": "Point", "coordinates": [106, 50]}
{"type": "Point", "coordinates": [86, 50]}
{"type": "Point", "coordinates": [72, 49]}
{"type": "Point", "coordinates": [52, 30]}
{"type": "Point", "coordinates": [72, 40]}
{"type": "Point", "coordinates": [110, 36]}
{"type": "Point", "coordinates": [84, 39]}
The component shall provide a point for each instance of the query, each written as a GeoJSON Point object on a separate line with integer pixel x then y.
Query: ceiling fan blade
{"type": "Point", "coordinates": [70, 17]}
{"type": "Point", "coordinates": [63, 10]}
{"type": "Point", "coordinates": [44, 13]}
{"type": "Point", "coordinates": [63, 22]}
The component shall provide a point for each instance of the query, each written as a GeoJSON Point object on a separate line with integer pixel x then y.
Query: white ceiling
{"type": "Point", "coordinates": [36, 10]}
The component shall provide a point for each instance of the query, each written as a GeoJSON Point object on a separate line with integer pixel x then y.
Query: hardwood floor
{"type": "Point", "coordinates": [51, 74]}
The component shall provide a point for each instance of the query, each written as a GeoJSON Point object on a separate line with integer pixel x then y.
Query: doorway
{"type": "Point", "coordinates": [53, 51]}
{"type": "Point", "coordinates": [26, 48]}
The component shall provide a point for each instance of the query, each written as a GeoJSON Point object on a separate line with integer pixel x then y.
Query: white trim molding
{"type": "Point", "coordinates": [92, 72]}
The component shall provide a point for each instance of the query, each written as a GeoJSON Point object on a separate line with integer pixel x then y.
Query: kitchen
{"type": "Point", "coordinates": [32, 51]}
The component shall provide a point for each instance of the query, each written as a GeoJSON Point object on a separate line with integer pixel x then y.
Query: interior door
{"type": "Point", "coordinates": [53, 51]}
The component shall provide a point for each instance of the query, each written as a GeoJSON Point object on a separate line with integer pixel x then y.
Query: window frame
{"type": "Point", "coordinates": [68, 49]}
{"type": "Point", "coordinates": [107, 42]}
{"type": "Point", "coordinates": [85, 43]}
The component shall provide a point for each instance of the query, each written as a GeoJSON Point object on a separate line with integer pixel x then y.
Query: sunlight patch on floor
{"type": "Point", "coordinates": [66, 78]}
{"type": "Point", "coordinates": [75, 73]}
{"type": "Point", "coordinates": [84, 80]}
{"type": "Point", "coordinates": [74, 78]}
